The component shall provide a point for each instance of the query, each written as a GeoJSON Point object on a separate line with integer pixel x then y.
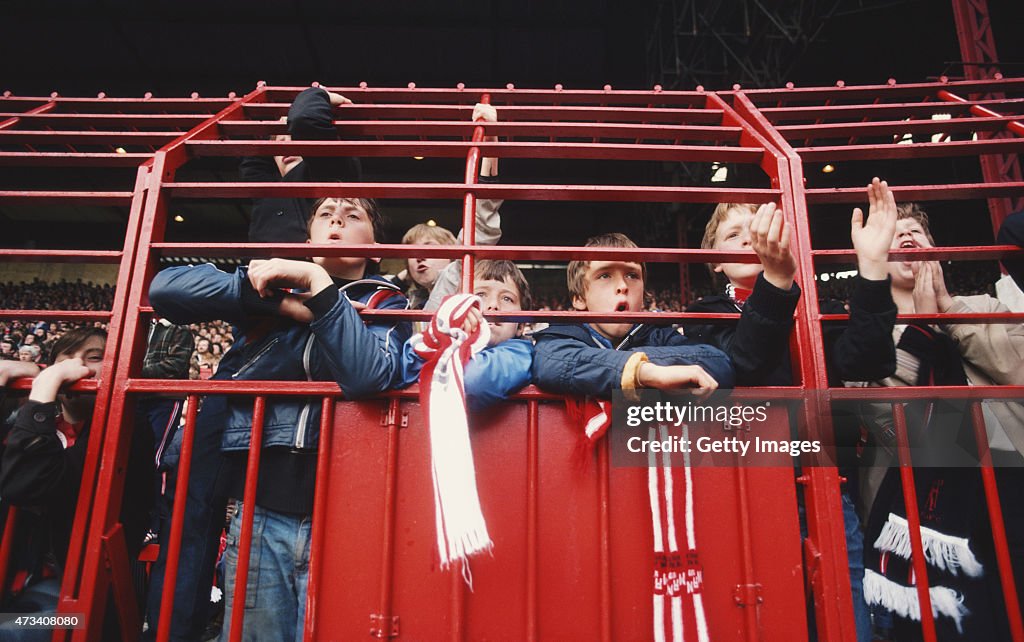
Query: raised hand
{"type": "Point", "coordinates": [770, 238]}
{"type": "Point", "coordinates": [872, 238]}
{"type": "Point", "coordinates": [487, 113]}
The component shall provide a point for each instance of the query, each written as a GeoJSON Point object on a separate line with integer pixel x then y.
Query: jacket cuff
{"type": "Point", "coordinates": [631, 375]}
{"type": "Point", "coordinates": [38, 417]}
{"type": "Point", "coordinates": [323, 302]}
{"type": "Point", "coordinates": [255, 305]}
{"type": "Point", "coordinates": [872, 296]}
{"type": "Point", "coordinates": [773, 302]}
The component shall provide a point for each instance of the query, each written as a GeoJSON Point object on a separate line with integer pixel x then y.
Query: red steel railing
{"type": "Point", "coordinates": [775, 131]}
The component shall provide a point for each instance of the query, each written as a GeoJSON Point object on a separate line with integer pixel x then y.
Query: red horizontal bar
{"type": "Point", "coordinates": [82, 385]}
{"type": "Point", "coordinates": [499, 96]}
{"type": "Point", "coordinates": [859, 112]}
{"type": "Point", "coordinates": [268, 111]}
{"type": "Point", "coordinates": [137, 120]}
{"type": "Point", "coordinates": [894, 127]}
{"type": "Point", "coordinates": [330, 389]}
{"type": "Point", "coordinates": [459, 149]}
{"type": "Point", "coordinates": [61, 256]}
{"type": "Point", "coordinates": [450, 128]}
{"type": "Point", "coordinates": [945, 253]}
{"type": "Point", "coordinates": [70, 159]}
{"type": "Point", "coordinates": [766, 96]}
{"type": "Point", "coordinates": [909, 393]}
{"type": "Point", "coordinates": [912, 150]}
{"type": "Point", "coordinates": [70, 198]}
{"type": "Point", "coordinates": [457, 191]}
{"type": "Point", "coordinates": [512, 252]}
{"type": "Point", "coordinates": [56, 315]}
{"type": "Point", "coordinates": [945, 319]}
{"type": "Point", "coordinates": [45, 137]}
{"type": "Point", "coordinates": [959, 192]}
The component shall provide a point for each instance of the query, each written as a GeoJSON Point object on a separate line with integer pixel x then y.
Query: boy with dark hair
{"type": "Point", "coordinates": [503, 367]}
{"type": "Point", "coordinates": [43, 458]}
{"type": "Point", "coordinates": [315, 335]}
{"type": "Point", "coordinates": [596, 358]}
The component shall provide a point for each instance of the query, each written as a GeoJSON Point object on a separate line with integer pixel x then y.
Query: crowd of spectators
{"type": "Point", "coordinates": [31, 340]}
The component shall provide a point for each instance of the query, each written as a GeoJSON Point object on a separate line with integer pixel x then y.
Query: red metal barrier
{"type": "Point", "coordinates": [571, 558]}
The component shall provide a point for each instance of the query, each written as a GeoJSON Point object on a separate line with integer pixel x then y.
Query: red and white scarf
{"type": "Point", "coordinates": [678, 577]}
{"type": "Point", "coordinates": [446, 348]}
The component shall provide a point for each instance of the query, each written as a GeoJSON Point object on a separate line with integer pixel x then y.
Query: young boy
{"type": "Point", "coordinates": [422, 275]}
{"type": "Point", "coordinates": [315, 335]}
{"type": "Point", "coordinates": [765, 294]}
{"type": "Point", "coordinates": [42, 466]}
{"type": "Point", "coordinates": [596, 358]}
{"type": "Point", "coordinates": [503, 367]}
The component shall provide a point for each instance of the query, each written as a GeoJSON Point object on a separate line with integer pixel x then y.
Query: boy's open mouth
{"type": "Point", "coordinates": [622, 307]}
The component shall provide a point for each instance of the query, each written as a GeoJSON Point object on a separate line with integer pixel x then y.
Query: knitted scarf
{"type": "Point", "coordinates": [446, 348]}
{"type": "Point", "coordinates": [678, 577]}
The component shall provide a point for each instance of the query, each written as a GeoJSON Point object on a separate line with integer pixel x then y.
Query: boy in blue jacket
{"type": "Point", "coordinates": [503, 367]}
{"type": "Point", "coordinates": [595, 359]}
{"type": "Point", "coordinates": [317, 335]}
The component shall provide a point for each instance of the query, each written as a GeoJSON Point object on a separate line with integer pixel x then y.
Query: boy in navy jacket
{"type": "Point", "coordinates": [317, 335]}
{"type": "Point", "coordinates": [595, 359]}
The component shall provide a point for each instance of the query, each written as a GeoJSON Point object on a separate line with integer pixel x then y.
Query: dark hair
{"type": "Point", "coordinates": [499, 270]}
{"type": "Point", "coordinates": [369, 205]}
{"type": "Point", "coordinates": [73, 340]}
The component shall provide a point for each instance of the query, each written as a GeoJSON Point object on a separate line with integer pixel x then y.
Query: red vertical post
{"type": "Point", "coordinates": [826, 534]}
{"type": "Point", "coordinates": [469, 205]}
{"type": "Point", "coordinates": [995, 516]}
{"type": "Point", "coordinates": [913, 522]}
{"type": "Point", "coordinates": [316, 537]}
{"type": "Point", "coordinates": [188, 436]}
{"type": "Point", "coordinates": [981, 62]}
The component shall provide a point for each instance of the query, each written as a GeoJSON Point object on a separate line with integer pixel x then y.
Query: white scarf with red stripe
{"type": "Point", "coordinates": [678, 601]}
{"type": "Point", "coordinates": [461, 530]}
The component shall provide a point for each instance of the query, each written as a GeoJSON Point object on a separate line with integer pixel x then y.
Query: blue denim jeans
{"type": "Point", "coordinates": [200, 539]}
{"type": "Point", "coordinates": [855, 552]}
{"type": "Point", "coordinates": [275, 591]}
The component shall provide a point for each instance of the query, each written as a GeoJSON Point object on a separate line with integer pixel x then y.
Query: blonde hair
{"type": "Point", "coordinates": [711, 229]}
{"type": "Point", "coordinates": [577, 270]}
{"type": "Point", "coordinates": [720, 214]}
{"type": "Point", "coordinates": [423, 232]}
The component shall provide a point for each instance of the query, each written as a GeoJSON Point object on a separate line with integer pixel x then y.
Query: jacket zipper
{"type": "Point", "coordinates": [259, 355]}
{"type": "Point", "coordinates": [300, 435]}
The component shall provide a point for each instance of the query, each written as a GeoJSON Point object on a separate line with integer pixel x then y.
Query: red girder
{"type": "Point", "coordinates": [773, 131]}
